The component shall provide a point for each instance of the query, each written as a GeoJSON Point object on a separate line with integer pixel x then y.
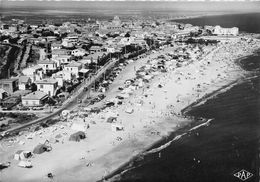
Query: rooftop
{"type": "Point", "coordinates": [73, 64]}
{"type": "Point", "coordinates": [8, 80]}
{"type": "Point", "coordinates": [95, 47]}
{"type": "Point", "coordinates": [83, 70]}
{"type": "Point", "coordinates": [46, 81]}
{"type": "Point", "coordinates": [37, 95]}
{"type": "Point", "coordinates": [95, 55]}
{"type": "Point", "coordinates": [46, 61]}
{"type": "Point", "coordinates": [36, 67]}
{"type": "Point", "coordinates": [24, 79]}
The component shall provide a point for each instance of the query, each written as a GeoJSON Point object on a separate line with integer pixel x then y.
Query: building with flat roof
{"type": "Point", "coordinates": [73, 68]}
{"type": "Point", "coordinates": [48, 86]}
{"type": "Point", "coordinates": [9, 85]}
{"type": "Point", "coordinates": [218, 30]}
{"type": "Point", "coordinates": [48, 65]}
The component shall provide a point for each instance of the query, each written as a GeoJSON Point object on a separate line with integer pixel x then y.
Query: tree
{"type": "Point", "coordinates": [33, 87]}
{"type": "Point", "coordinates": [50, 101]}
{"type": "Point", "coordinates": [36, 35]}
{"type": "Point", "coordinates": [46, 33]}
{"type": "Point", "coordinates": [127, 34]}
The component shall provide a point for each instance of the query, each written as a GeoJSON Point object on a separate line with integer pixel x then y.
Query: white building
{"type": "Point", "coordinates": [48, 86]}
{"type": "Point", "coordinates": [126, 40]}
{"type": "Point", "coordinates": [67, 43]}
{"type": "Point", "coordinates": [43, 54]}
{"type": "Point", "coordinates": [94, 58]}
{"type": "Point", "coordinates": [62, 76]}
{"type": "Point", "coordinates": [95, 49]}
{"type": "Point", "coordinates": [34, 72]}
{"type": "Point", "coordinates": [48, 65]}
{"type": "Point", "coordinates": [36, 98]}
{"type": "Point", "coordinates": [110, 49]}
{"type": "Point", "coordinates": [85, 62]}
{"type": "Point", "coordinates": [62, 60]}
{"type": "Point", "coordinates": [225, 31]}
{"type": "Point", "coordinates": [78, 52]}
{"type": "Point", "coordinates": [55, 46]}
{"type": "Point", "coordinates": [73, 68]}
{"type": "Point", "coordinates": [116, 21]}
{"type": "Point", "coordinates": [23, 82]}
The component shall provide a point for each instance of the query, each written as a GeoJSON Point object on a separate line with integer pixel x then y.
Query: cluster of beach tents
{"type": "Point", "coordinates": [23, 155]}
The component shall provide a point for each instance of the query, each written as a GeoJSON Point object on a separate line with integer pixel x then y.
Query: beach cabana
{"type": "Point", "coordinates": [58, 136]}
{"type": "Point", "coordinates": [77, 136]}
{"type": "Point", "coordinates": [111, 119]}
{"type": "Point", "coordinates": [21, 155]}
{"type": "Point", "coordinates": [129, 110]}
{"type": "Point", "coordinates": [87, 109]}
{"type": "Point", "coordinates": [41, 148]}
{"type": "Point", "coordinates": [4, 165]}
{"type": "Point", "coordinates": [123, 95]}
{"type": "Point", "coordinates": [117, 127]}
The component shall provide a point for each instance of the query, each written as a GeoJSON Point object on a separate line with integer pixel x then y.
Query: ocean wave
{"type": "Point", "coordinates": [176, 138]}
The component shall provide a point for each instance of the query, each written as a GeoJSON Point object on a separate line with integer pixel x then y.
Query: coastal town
{"type": "Point", "coordinates": [79, 99]}
{"type": "Point", "coordinates": [57, 60]}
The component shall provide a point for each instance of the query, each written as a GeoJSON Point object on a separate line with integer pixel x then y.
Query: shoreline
{"type": "Point", "coordinates": [109, 158]}
{"type": "Point", "coordinates": [128, 166]}
{"type": "Point", "coordinates": [209, 14]}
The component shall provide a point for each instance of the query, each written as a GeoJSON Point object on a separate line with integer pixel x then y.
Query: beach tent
{"type": "Point", "coordinates": [4, 165]}
{"type": "Point", "coordinates": [129, 110]}
{"type": "Point", "coordinates": [140, 83]}
{"type": "Point", "coordinates": [131, 87]}
{"type": "Point", "coordinates": [145, 81]}
{"type": "Point", "coordinates": [155, 73]}
{"type": "Point", "coordinates": [39, 149]}
{"type": "Point", "coordinates": [25, 164]}
{"type": "Point", "coordinates": [77, 136]}
{"type": "Point", "coordinates": [147, 77]}
{"type": "Point", "coordinates": [123, 95]}
{"type": "Point", "coordinates": [110, 116]}
{"type": "Point", "coordinates": [53, 140]}
{"type": "Point", "coordinates": [117, 127]}
{"type": "Point", "coordinates": [87, 109]}
{"type": "Point", "coordinates": [37, 128]}
{"type": "Point", "coordinates": [111, 119]}
{"type": "Point", "coordinates": [58, 136]}
{"type": "Point", "coordinates": [127, 91]}
{"type": "Point", "coordinates": [21, 155]}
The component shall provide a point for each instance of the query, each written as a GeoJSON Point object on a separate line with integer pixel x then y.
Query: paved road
{"type": "Point", "coordinates": [72, 101]}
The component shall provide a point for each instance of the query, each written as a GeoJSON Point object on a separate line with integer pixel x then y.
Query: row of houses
{"type": "Point", "coordinates": [45, 88]}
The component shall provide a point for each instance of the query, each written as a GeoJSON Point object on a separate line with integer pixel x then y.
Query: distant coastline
{"type": "Point", "coordinates": [227, 20]}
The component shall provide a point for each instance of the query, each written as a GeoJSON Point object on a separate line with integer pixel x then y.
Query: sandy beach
{"type": "Point", "coordinates": [150, 112]}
